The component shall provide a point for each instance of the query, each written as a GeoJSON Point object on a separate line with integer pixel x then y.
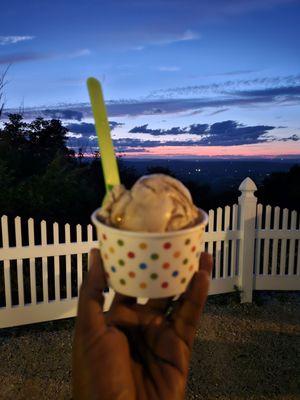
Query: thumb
{"type": "Point", "coordinates": [91, 298]}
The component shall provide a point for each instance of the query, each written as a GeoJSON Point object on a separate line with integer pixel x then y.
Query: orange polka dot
{"type": "Point", "coordinates": [131, 274]}
{"type": "Point", "coordinates": [191, 267]}
{"type": "Point", "coordinates": [176, 254]}
{"type": "Point", "coordinates": [143, 285]}
{"type": "Point", "coordinates": [166, 265]}
{"type": "Point", "coordinates": [106, 256]}
{"type": "Point", "coordinates": [143, 246]}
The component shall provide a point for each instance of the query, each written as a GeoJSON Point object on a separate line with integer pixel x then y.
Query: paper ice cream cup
{"type": "Point", "coordinates": [150, 265]}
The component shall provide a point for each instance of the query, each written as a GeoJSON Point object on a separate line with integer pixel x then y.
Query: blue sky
{"type": "Point", "coordinates": [221, 60]}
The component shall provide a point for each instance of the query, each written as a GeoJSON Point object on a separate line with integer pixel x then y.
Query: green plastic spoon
{"type": "Point", "coordinates": [108, 157]}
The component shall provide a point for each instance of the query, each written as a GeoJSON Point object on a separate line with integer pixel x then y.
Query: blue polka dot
{"type": "Point", "coordinates": [175, 273]}
{"type": "Point", "coordinates": [113, 269]}
{"type": "Point", "coordinates": [106, 290]}
{"type": "Point", "coordinates": [143, 266]}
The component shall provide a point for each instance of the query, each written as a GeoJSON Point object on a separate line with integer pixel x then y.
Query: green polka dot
{"type": "Point", "coordinates": [120, 242]}
{"type": "Point", "coordinates": [185, 261]}
{"type": "Point", "coordinates": [122, 281]}
{"type": "Point", "coordinates": [121, 262]}
{"type": "Point", "coordinates": [154, 256]}
{"type": "Point", "coordinates": [153, 276]}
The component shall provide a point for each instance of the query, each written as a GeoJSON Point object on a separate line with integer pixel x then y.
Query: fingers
{"type": "Point", "coordinates": [159, 305]}
{"type": "Point", "coordinates": [122, 299]}
{"type": "Point", "coordinates": [186, 315]}
{"type": "Point", "coordinates": [91, 298]}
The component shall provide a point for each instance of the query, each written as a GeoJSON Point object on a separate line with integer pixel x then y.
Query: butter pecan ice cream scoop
{"type": "Point", "coordinates": [155, 203]}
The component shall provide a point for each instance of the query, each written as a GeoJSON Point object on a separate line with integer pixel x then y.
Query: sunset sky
{"type": "Point", "coordinates": [180, 77]}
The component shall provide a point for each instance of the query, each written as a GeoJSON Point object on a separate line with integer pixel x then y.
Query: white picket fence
{"type": "Point", "coordinates": [255, 247]}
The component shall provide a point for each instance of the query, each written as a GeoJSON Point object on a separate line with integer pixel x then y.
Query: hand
{"type": "Point", "coordinates": [135, 352]}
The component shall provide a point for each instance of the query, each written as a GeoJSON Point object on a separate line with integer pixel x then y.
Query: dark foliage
{"type": "Point", "coordinates": [281, 189]}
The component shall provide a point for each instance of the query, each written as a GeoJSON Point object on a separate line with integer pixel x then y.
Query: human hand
{"type": "Point", "coordinates": [135, 351]}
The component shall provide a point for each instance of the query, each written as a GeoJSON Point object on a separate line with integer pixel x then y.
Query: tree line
{"type": "Point", "coordinates": [40, 177]}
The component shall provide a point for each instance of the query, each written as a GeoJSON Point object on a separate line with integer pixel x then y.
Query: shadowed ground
{"type": "Point", "coordinates": [241, 352]}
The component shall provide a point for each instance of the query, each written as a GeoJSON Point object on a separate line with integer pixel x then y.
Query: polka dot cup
{"type": "Point", "coordinates": [150, 265]}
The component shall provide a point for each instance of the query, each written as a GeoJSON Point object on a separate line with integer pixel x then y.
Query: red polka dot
{"type": "Point", "coordinates": [193, 248]}
{"type": "Point", "coordinates": [131, 254]}
{"type": "Point", "coordinates": [167, 245]}
{"type": "Point", "coordinates": [166, 265]}
{"type": "Point", "coordinates": [104, 236]}
{"type": "Point", "coordinates": [164, 285]}
{"type": "Point", "coordinates": [131, 274]}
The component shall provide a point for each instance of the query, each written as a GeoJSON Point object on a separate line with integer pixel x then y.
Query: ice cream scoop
{"type": "Point", "coordinates": [155, 203]}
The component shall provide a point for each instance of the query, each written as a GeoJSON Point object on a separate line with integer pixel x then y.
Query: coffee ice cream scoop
{"type": "Point", "coordinates": [155, 203]}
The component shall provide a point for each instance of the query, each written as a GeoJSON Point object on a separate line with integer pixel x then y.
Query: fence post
{"type": "Point", "coordinates": [247, 215]}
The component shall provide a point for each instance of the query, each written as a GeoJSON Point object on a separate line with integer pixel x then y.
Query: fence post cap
{"type": "Point", "coordinates": [247, 185]}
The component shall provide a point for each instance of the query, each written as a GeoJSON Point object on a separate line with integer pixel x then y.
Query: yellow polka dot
{"type": "Point", "coordinates": [143, 246]}
{"type": "Point", "coordinates": [111, 250]}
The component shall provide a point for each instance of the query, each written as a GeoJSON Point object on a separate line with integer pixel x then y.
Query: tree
{"type": "Point", "coordinates": [281, 189]}
{"type": "Point", "coordinates": [2, 84]}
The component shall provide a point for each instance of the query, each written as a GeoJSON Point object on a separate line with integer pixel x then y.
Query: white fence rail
{"type": "Point", "coordinates": [255, 247]}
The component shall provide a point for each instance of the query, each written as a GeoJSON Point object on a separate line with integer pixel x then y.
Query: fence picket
{"type": "Point", "coordinates": [267, 241]}
{"type": "Point", "coordinates": [292, 244]}
{"type": "Point", "coordinates": [225, 255]}
{"type": "Point", "coordinates": [6, 263]}
{"type": "Point", "coordinates": [18, 234]}
{"type": "Point", "coordinates": [44, 261]}
{"type": "Point", "coordinates": [89, 239]}
{"type": "Point", "coordinates": [234, 266]}
{"type": "Point", "coordinates": [68, 263]}
{"type": "Point", "coordinates": [210, 229]}
{"type": "Point", "coordinates": [56, 263]}
{"type": "Point", "coordinates": [79, 257]}
{"type": "Point", "coordinates": [275, 241]}
{"type": "Point", "coordinates": [258, 241]}
{"type": "Point", "coordinates": [218, 243]}
{"type": "Point", "coordinates": [32, 261]}
{"type": "Point", "coordinates": [283, 243]}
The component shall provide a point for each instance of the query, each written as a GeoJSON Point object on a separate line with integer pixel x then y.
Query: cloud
{"type": "Point", "coordinates": [168, 69]}
{"type": "Point", "coordinates": [196, 129]}
{"type": "Point", "coordinates": [6, 40]}
{"type": "Point", "coordinates": [224, 87]}
{"type": "Point", "coordinates": [218, 111]}
{"type": "Point", "coordinates": [64, 114]}
{"type": "Point", "coordinates": [89, 129]}
{"type": "Point", "coordinates": [271, 92]}
{"type": "Point", "coordinates": [233, 73]}
{"type": "Point", "coordinates": [79, 53]}
{"type": "Point", "coordinates": [13, 58]}
{"type": "Point", "coordinates": [164, 39]}
{"type": "Point", "coordinates": [226, 133]}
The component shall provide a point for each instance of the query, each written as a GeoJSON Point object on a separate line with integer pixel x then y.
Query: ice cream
{"type": "Point", "coordinates": [155, 203]}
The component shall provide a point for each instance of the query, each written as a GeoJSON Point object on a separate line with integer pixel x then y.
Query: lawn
{"type": "Point", "coordinates": [241, 352]}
